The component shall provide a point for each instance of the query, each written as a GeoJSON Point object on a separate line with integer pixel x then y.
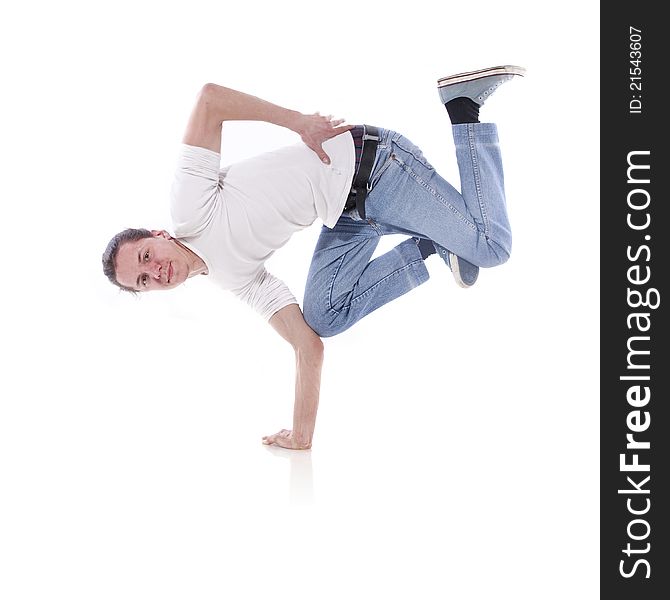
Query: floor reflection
{"type": "Point", "coordinates": [301, 481]}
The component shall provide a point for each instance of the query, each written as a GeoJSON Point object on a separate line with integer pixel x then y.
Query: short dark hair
{"type": "Point", "coordinates": [112, 250]}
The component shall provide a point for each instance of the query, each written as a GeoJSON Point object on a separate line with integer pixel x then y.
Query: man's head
{"type": "Point", "coordinates": [139, 260]}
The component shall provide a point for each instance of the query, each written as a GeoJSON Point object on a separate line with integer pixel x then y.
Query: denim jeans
{"type": "Point", "coordinates": [407, 196]}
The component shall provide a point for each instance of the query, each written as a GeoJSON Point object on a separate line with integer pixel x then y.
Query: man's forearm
{"type": "Point", "coordinates": [226, 104]}
{"type": "Point", "coordinates": [307, 386]}
{"type": "Point", "coordinates": [308, 348]}
{"type": "Point", "coordinates": [216, 104]}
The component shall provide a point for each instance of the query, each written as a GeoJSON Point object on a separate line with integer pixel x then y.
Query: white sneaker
{"type": "Point", "coordinates": [476, 85]}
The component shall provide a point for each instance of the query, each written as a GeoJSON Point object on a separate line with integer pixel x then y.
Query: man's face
{"type": "Point", "coordinates": [155, 263]}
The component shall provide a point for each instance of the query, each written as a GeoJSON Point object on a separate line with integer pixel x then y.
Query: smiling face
{"type": "Point", "coordinates": [155, 263]}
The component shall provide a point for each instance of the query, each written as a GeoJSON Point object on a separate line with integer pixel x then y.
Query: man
{"type": "Point", "coordinates": [361, 181]}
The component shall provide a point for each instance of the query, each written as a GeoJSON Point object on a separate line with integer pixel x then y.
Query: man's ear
{"type": "Point", "coordinates": [162, 233]}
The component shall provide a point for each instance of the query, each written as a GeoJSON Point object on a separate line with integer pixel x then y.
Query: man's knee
{"type": "Point", "coordinates": [501, 258]}
{"type": "Point", "coordinates": [321, 322]}
{"type": "Point", "coordinates": [497, 255]}
{"type": "Point", "coordinates": [312, 317]}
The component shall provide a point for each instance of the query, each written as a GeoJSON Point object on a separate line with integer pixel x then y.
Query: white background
{"type": "Point", "coordinates": [456, 448]}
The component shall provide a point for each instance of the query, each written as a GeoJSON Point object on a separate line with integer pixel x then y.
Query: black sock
{"type": "Point", "coordinates": [426, 248]}
{"type": "Point", "coordinates": [462, 110]}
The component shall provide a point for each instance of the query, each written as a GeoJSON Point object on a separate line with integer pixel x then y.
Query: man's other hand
{"type": "Point", "coordinates": [316, 129]}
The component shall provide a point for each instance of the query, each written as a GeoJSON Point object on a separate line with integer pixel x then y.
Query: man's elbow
{"type": "Point", "coordinates": [316, 346]}
{"type": "Point", "coordinates": [207, 94]}
{"type": "Point", "coordinates": [310, 348]}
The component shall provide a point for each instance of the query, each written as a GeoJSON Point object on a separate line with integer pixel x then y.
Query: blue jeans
{"type": "Point", "coordinates": [408, 196]}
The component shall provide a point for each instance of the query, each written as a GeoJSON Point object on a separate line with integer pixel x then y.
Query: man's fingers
{"type": "Point", "coordinates": [274, 440]}
{"type": "Point", "coordinates": [321, 154]}
{"type": "Point", "coordinates": [337, 130]}
{"type": "Point", "coordinates": [281, 438]}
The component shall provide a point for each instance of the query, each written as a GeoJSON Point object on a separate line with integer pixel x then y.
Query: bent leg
{"type": "Point", "coordinates": [344, 285]}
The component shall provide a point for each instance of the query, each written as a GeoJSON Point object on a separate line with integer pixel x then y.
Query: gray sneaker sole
{"type": "Point", "coordinates": [457, 275]}
{"type": "Point", "coordinates": [454, 263]}
{"type": "Point", "coordinates": [472, 75]}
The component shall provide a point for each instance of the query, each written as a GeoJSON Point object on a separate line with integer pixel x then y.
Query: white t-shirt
{"type": "Point", "coordinates": [236, 217]}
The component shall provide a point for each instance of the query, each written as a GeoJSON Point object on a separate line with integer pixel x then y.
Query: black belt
{"type": "Point", "coordinates": [361, 184]}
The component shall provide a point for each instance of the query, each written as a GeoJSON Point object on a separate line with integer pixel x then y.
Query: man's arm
{"type": "Point", "coordinates": [308, 347]}
{"type": "Point", "coordinates": [216, 104]}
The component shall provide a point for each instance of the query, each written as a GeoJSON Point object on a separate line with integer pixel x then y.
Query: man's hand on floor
{"type": "Point", "coordinates": [284, 439]}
